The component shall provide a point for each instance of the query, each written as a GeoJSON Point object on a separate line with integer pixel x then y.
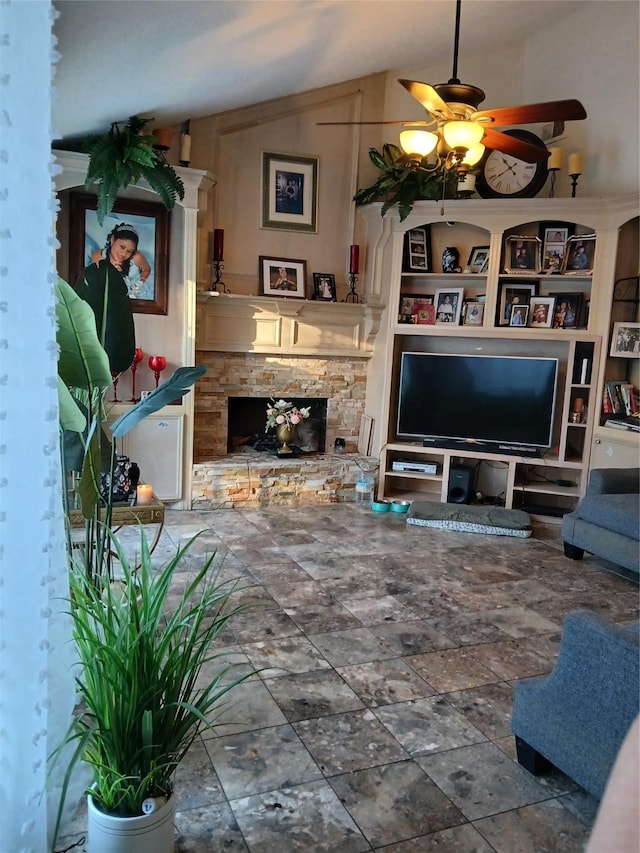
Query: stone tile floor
{"type": "Point", "coordinates": [380, 716]}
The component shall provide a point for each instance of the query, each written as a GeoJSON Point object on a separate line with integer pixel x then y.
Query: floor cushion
{"type": "Point", "coordinates": [470, 518]}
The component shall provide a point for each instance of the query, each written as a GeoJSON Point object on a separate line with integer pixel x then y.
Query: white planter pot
{"type": "Point", "coordinates": [149, 833]}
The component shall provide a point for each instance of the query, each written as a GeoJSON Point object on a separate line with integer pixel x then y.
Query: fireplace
{"type": "Point", "coordinates": [246, 417]}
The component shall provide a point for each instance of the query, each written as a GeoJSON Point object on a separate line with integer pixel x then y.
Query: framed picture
{"type": "Point", "coordinates": [511, 295]}
{"type": "Point", "coordinates": [145, 240]}
{"type": "Point", "coordinates": [625, 340]}
{"type": "Point", "coordinates": [417, 309]}
{"type": "Point", "coordinates": [522, 255]}
{"type": "Point", "coordinates": [474, 314]}
{"type": "Point", "coordinates": [324, 286]}
{"type": "Point", "coordinates": [541, 310]}
{"type": "Point", "coordinates": [283, 277]}
{"type": "Point", "coordinates": [448, 304]}
{"type": "Point", "coordinates": [289, 192]}
{"type": "Point", "coordinates": [554, 238]}
{"type": "Point", "coordinates": [568, 310]}
{"type": "Point", "coordinates": [417, 250]}
{"type": "Point", "coordinates": [519, 315]}
{"type": "Point", "coordinates": [578, 259]}
{"type": "Point", "coordinates": [478, 259]}
{"type": "Point", "coordinates": [365, 436]}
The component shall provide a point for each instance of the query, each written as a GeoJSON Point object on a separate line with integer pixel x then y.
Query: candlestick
{"type": "Point", "coordinates": [354, 259]}
{"type": "Point", "coordinates": [352, 296]}
{"type": "Point", "coordinates": [144, 494]}
{"type": "Point", "coordinates": [218, 244]}
{"type": "Point", "coordinates": [185, 149]}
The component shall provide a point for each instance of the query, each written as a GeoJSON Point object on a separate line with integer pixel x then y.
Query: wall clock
{"type": "Point", "coordinates": [504, 176]}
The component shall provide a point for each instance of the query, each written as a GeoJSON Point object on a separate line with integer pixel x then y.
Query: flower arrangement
{"type": "Point", "coordinates": [281, 412]}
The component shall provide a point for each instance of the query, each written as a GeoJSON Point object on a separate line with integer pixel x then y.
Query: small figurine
{"type": "Point", "coordinates": [451, 260]}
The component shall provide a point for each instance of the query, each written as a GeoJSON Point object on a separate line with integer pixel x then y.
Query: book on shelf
{"type": "Point", "coordinates": [620, 398]}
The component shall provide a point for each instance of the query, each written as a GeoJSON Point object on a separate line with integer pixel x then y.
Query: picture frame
{"type": "Point", "coordinates": [568, 310]}
{"type": "Point", "coordinates": [478, 259]}
{"type": "Point", "coordinates": [448, 305]}
{"type": "Point", "coordinates": [417, 250]}
{"type": "Point", "coordinates": [522, 255]}
{"type": "Point", "coordinates": [418, 309]}
{"type": "Point", "coordinates": [514, 293]}
{"type": "Point", "coordinates": [541, 310]}
{"type": "Point", "coordinates": [554, 236]}
{"type": "Point", "coordinates": [324, 287]}
{"type": "Point", "coordinates": [365, 436]}
{"type": "Point", "coordinates": [473, 314]}
{"type": "Point", "coordinates": [289, 192]}
{"type": "Point", "coordinates": [149, 220]}
{"type": "Point", "coordinates": [579, 254]}
{"type": "Point", "coordinates": [284, 277]}
{"type": "Point", "coordinates": [625, 340]}
{"type": "Point", "coordinates": [519, 316]}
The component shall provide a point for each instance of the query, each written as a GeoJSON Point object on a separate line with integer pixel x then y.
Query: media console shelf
{"type": "Point", "coordinates": [554, 482]}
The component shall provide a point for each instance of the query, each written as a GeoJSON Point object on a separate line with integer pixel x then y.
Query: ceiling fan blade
{"type": "Point", "coordinates": [570, 110]}
{"type": "Point", "coordinates": [429, 98]}
{"type": "Point", "coordinates": [515, 147]}
{"type": "Point", "coordinates": [398, 121]}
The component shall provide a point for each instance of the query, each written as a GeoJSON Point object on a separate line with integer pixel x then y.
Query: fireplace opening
{"type": "Point", "coordinates": [247, 417]}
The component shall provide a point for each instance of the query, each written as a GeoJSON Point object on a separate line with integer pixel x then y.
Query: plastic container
{"type": "Point", "coordinates": [365, 487]}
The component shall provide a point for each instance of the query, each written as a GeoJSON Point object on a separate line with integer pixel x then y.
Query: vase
{"type": "Point", "coordinates": [285, 433]}
{"type": "Point", "coordinates": [146, 833]}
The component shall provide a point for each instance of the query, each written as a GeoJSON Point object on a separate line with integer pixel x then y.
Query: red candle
{"type": "Point", "coordinates": [354, 257]}
{"type": "Point", "coordinates": [218, 244]}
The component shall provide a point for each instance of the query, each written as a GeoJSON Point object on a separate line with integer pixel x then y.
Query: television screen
{"type": "Point", "coordinates": [505, 400]}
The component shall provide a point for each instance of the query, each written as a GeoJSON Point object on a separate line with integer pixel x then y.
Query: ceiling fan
{"type": "Point", "coordinates": [462, 132]}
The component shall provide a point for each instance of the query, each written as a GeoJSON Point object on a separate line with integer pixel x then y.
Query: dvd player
{"type": "Point", "coordinates": [419, 467]}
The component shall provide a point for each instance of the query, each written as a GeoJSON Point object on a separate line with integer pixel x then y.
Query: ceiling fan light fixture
{"type": "Point", "coordinates": [462, 134]}
{"type": "Point", "coordinates": [420, 142]}
{"type": "Point", "coordinates": [473, 155]}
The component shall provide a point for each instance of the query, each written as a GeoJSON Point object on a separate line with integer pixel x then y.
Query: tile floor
{"type": "Point", "coordinates": [379, 720]}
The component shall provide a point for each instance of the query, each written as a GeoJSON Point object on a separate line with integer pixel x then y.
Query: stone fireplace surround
{"type": "Point", "coordinates": [266, 347]}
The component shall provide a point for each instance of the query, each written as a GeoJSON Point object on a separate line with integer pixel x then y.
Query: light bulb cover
{"type": "Point", "coordinates": [462, 134]}
{"type": "Point", "coordinates": [420, 142]}
{"type": "Point", "coordinates": [473, 155]}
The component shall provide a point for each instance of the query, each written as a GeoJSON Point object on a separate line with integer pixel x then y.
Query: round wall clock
{"type": "Point", "coordinates": [504, 176]}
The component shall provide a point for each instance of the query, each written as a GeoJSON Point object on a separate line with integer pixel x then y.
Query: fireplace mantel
{"type": "Point", "coordinates": [272, 324]}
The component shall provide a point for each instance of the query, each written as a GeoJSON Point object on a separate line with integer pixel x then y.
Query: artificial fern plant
{"type": "Point", "coordinates": [124, 156]}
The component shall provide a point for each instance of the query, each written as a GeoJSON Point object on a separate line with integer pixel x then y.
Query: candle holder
{"type": "Point", "coordinates": [352, 296]}
{"type": "Point", "coordinates": [157, 363]}
{"type": "Point", "coordinates": [137, 358]}
{"type": "Point", "coordinates": [217, 286]}
{"type": "Point", "coordinates": [574, 183]}
{"type": "Point", "coordinates": [115, 375]}
{"type": "Point", "coordinates": [552, 184]}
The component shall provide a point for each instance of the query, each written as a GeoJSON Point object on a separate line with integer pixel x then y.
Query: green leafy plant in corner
{"type": "Point", "coordinates": [123, 156]}
{"type": "Point", "coordinates": [405, 180]}
{"type": "Point", "coordinates": [149, 679]}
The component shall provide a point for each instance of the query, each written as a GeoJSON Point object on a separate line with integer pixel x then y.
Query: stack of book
{"type": "Point", "coordinates": [620, 398]}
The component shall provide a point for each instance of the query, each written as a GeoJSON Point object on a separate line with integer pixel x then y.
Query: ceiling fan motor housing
{"type": "Point", "coordinates": [462, 94]}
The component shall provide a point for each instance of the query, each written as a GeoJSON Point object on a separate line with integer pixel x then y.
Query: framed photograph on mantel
{"type": "Point", "coordinates": [283, 277]}
{"type": "Point", "coordinates": [522, 255]}
{"type": "Point", "coordinates": [134, 236]}
{"type": "Point", "coordinates": [324, 287]}
{"type": "Point", "coordinates": [289, 192]}
{"type": "Point", "coordinates": [554, 238]}
{"type": "Point", "coordinates": [513, 294]}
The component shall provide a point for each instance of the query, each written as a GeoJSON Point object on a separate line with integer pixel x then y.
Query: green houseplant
{"type": "Point", "coordinates": [405, 179]}
{"type": "Point", "coordinates": [125, 155]}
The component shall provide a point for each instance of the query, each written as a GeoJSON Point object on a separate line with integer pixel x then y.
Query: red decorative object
{"type": "Point", "coordinates": [218, 244]}
{"type": "Point", "coordinates": [157, 363]}
{"type": "Point", "coordinates": [137, 358]}
{"type": "Point", "coordinates": [354, 259]}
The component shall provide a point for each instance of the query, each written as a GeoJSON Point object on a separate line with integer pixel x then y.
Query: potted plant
{"type": "Point", "coordinates": [405, 179]}
{"type": "Point", "coordinates": [143, 697]}
{"type": "Point", "coordinates": [123, 156]}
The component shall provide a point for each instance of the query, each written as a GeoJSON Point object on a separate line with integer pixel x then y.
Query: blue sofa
{"type": "Point", "coordinates": [607, 520]}
{"type": "Point", "coordinates": [577, 717]}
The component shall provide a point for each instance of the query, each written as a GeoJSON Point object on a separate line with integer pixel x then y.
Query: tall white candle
{"type": "Point", "coordinates": [144, 494]}
{"type": "Point", "coordinates": [185, 147]}
{"type": "Point", "coordinates": [575, 163]}
{"type": "Point", "coordinates": [467, 184]}
{"type": "Point", "coordinates": [555, 159]}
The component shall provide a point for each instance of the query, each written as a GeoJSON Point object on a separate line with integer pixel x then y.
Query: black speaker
{"type": "Point", "coordinates": [460, 484]}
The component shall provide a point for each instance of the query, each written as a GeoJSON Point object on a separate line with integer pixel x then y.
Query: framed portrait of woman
{"type": "Point", "coordinates": [134, 237]}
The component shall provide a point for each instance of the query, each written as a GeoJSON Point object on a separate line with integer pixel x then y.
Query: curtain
{"type": "Point", "coordinates": [36, 679]}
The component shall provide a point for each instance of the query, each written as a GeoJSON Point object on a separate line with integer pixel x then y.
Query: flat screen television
{"type": "Point", "coordinates": [503, 401]}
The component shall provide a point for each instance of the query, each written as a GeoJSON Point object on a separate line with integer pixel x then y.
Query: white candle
{"type": "Point", "coordinates": [575, 163]}
{"type": "Point", "coordinates": [144, 494]}
{"type": "Point", "coordinates": [467, 184]}
{"type": "Point", "coordinates": [185, 148]}
{"type": "Point", "coordinates": [555, 159]}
